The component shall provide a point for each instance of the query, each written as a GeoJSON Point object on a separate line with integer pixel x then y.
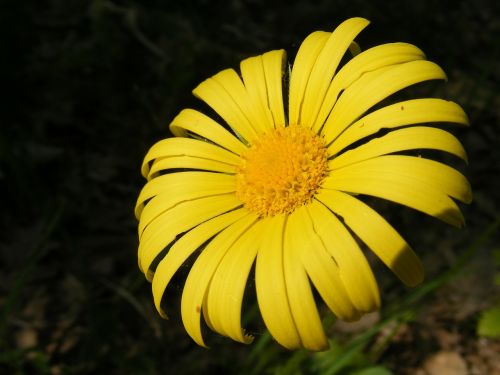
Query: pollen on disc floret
{"type": "Point", "coordinates": [281, 171]}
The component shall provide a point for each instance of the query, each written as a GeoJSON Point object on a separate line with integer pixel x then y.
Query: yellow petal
{"type": "Point", "coordinates": [377, 234]}
{"type": "Point", "coordinates": [367, 61]}
{"type": "Point", "coordinates": [202, 272]}
{"type": "Point", "coordinates": [325, 66]}
{"type": "Point", "coordinates": [164, 192]}
{"type": "Point", "coordinates": [415, 111]}
{"type": "Point", "coordinates": [189, 121]}
{"type": "Point", "coordinates": [225, 294]}
{"type": "Point", "coordinates": [254, 78]}
{"type": "Point", "coordinates": [437, 175]}
{"type": "Point", "coordinates": [172, 147]}
{"type": "Point", "coordinates": [302, 305]}
{"type": "Point", "coordinates": [321, 268]}
{"type": "Point", "coordinates": [418, 183]}
{"type": "Point", "coordinates": [304, 61]}
{"type": "Point", "coordinates": [373, 87]}
{"type": "Point", "coordinates": [233, 85]}
{"type": "Point", "coordinates": [184, 247]}
{"type": "Point", "coordinates": [270, 284]}
{"type": "Point", "coordinates": [417, 137]}
{"type": "Point", "coordinates": [225, 92]}
{"type": "Point", "coordinates": [274, 64]}
{"type": "Point", "coordinates": [188, 162]}
{"type": "Point", "coordinates": [355, 272]}
{"type": "Point", "coordinates": [184, 216]}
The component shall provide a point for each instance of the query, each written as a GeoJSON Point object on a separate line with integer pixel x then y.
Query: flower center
{"type": "Point", "coordinates": [281, 171]}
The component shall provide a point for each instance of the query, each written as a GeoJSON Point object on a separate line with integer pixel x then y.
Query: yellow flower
{"type": "Point", "coordinates": [277, 184]}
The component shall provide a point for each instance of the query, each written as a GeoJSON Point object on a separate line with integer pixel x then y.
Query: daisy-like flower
{"type": "Point", "coordinates": [277, 182]}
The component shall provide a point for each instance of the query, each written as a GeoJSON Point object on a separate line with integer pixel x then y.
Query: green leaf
{"type": "Point", "coordinates": [489, 323]}
{"type": "Point", "coordinates": [497, 279]}
{"type": "Point", "coordinates": [375, 370]}
{"type": "Point", "coordinates": [496, 255]}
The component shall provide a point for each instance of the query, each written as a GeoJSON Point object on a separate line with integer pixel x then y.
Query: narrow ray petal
{"type": "Point", "coordinates": [302, 305]}
{"type": "Point", "coordinates": [373, 87]}
{"type": "Point", "coordinates": [325, 66]}
{"type": "Point", "coordinates": [270, 284]}
{"type": "Point", "coordinates": [418, 183]}
{"type": "Point", "coordinates": [202, 272]}
{"type": "Point", "coordinates": [188, 162]}
{"type": "Point", "coordinates": [234, 86]}
{"type": "Point", "coordinates": [379, 235]}
{"type": "Point", "coordinates": [184, 247]}
{"type": "Point", "coordinates": [212, 92]}
{"type": "Point", "coordinates": [437, 175]}
{"type": "Point", "coordinates": [321, 267]}
{"type": "Point", "coordinates": [254, 79]}
{"type": "Point", "coordinates": [417, 137]}
{"type": "Point", "coordinates": [302, 65]}
{"type": "Point", "coordinates": [274, 65]}
{"type": "Point", "coordinates": [355, 272]}
{"type": "Point", "coordinates": [194, 122]}
{"type": "Point", "coordinates": [164, 228]}
{"type": "Point", "coordinates": [164, 192]}
{"type": "Point", "coordinates": [367, 61]}
{"type": "Point", "coordinates": [187, 147]}
{"type": "Point", "coordinates": [225, 294]}
{"type": "Point", "coordinates": [415, 111]}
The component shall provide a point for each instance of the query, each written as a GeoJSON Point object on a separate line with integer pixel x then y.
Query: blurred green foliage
{"type": "Point", "coordinates": [488, 324]}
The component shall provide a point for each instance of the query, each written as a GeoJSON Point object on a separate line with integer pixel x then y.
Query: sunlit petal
{"type": "Point", "coordinates": [172, 147]}
{"type": "Point", "coordinates": [302, 305]}
{"type": "Point", "coordinates": [373, 87]}
{"type": "Point", "coordinates": [274, 66]}
{"type": "Point", "coordinates": [189, 121]}
{"type": "Point", "coordinates": [254, 79]}
{"type": "Point", "coordinates": [270, 285]}
{"type": "Point", "coordinates": [164, 228]}
{"type": "Point", "coordinates": [176, 188]}
{"type": "Point", "coordinates": [369, 60]}
{"type": "Point", "coordinates": [415, 111]}
{"type": "Point", "coordinates": [320, 266]}
{"type": "Point", "coordinates": [302, 65]}
{"type": "Point", "coordinates": [378, 235]}
{"type": "Point", "coordinates": [189, 162]}
{"type": "Point", "coordinates": [184, 247]}
{"type": "Point", "coordinates": [214, 92]}
{"type": "Point", "coordinates": [202, 272]}
{"type": "Point", "coordinates": [326, 65]}
{"type": "Point", "coordinates": [225, 294]}
{"type": "Point", "coordinates": [422, 184]}
{"type": "Point", "coordinates": [417, 137]}
{"type": "Point", "coordinates": [354, 270]}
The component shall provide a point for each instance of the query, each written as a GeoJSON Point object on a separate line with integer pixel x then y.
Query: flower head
{"type": "Point", "coordinates": [281, 189]}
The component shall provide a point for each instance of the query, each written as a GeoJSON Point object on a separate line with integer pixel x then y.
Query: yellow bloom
{"type": "Point", "coordinates": [277, 184]}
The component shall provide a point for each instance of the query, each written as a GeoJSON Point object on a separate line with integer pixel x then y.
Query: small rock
{"type": "Point", "coordinates": [26, 338]}
{"type": "Point", "coordinates": [445, 363]}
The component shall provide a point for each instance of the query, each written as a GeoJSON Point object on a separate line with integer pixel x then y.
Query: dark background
{"type": "Point", "coordinates": [88, 86]}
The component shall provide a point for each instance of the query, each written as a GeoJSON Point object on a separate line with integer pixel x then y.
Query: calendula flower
{"type": "Point", "coordinates": [277, 183]}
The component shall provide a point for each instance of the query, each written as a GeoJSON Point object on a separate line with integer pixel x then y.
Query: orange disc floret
{"type": "Point", "coordinates": [281, 170]}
